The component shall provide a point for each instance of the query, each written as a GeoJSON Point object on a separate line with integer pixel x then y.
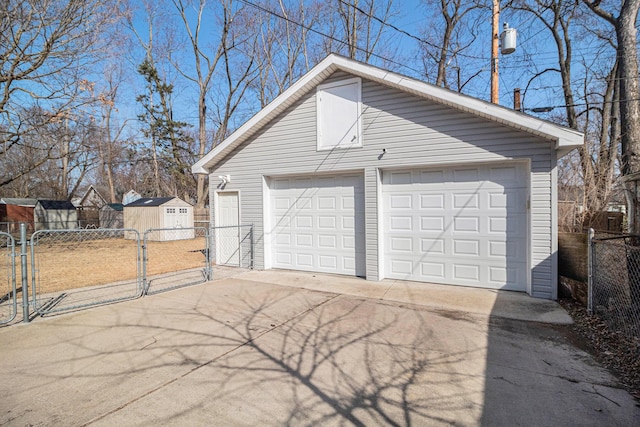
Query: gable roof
{"type": "Point", "coordinates": [60, 205]}
{"type": "Point", "coordinates": [565, 139]}
{"type": "Point", "coordinates": [150, 201]}
{"type": "Point", "coordinates": [18, 202]}
{"type": "Point", "coordinates": [93, 193]}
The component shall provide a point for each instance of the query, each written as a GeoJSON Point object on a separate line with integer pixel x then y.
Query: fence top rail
{"type": "Point", "coordinates": [175, 229]}
{"type": "Point", "coordinates": [619, 236]}
{"type": "Point", "coordinates": [233, 226]}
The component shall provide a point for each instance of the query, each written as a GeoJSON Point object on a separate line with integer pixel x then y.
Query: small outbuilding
{"type": "Point", "coordinates": [112, 216]}
{"type": "Point", "coordinates": [13, 211]}
{"type": "Point", "coordinates": [55, 215]}
{"type": "Point", "coordinates": [165, 214]}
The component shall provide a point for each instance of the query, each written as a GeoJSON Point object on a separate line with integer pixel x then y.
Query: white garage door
{"type": "Point", "coordinates": [318, 224]}
{"type": "Point", "coordinates": [463, 226]}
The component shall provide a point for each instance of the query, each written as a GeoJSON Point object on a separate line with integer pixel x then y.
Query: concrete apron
{"type": "Point", "coordinates": [248, 351]}
{"type": "Point", "coordinates": [489, 302]}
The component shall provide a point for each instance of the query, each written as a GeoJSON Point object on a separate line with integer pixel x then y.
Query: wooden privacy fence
{"type": "Point", "coordinates": [573, 264]}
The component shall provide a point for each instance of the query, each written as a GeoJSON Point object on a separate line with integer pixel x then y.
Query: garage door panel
{"type": "Point", "coordinates": [304, 259]}
{"type": "Point", "coordinates": [466, 272]}
{"type": "Point", "coordinates": [303, 203]}
{"type": "Point", "coordinates": [431, 177]}
{"type": "Point", "coordinates": [432, 245]}
{"type": "Point", "coordinates": [470, 175]}
{"type": "Point", "coordinates": [318, 216]}
{"type": "Point", "coordinates": [304, 240]}
{"type": "Point", "coordinates": [432, 271]}
{"type": "Point", "coordinates": [465, 225]}
{"type": "Point", "coordinates": [326, 203]}
{"type": "Point", "coordinates": [283, 258]}
{"type": "Point", "coordinates": [432, 223]}
{"type": "Point", "coordinates": [466, 247]}
{"type": "Point", "coordinates": [327, 241]}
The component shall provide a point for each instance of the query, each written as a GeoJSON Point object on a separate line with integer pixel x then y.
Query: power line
{"type": "Point", "coordinates": [320, 33]}
{"type": "Point", "coordinates": [581, 104]}
{"type": "Point", "coordinates": [406, 33]}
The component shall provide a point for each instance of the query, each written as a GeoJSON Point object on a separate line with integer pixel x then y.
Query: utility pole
{"type": "Point", "coordinates": [495, 94]}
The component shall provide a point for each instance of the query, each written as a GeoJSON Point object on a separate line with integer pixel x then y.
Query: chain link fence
{"type": "Point", "coordinates": [231, 250]}
{"type": "Point", "coordinates": [73, 269]}
{"type": "Point", "coordinates": [614, 281]}
{"type": "Point", "coordinates": [8, 300]}
{"type": "Point", "coordinates": [175, 258]}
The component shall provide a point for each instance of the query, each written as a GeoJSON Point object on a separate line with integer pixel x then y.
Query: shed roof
{"type": "Point", "coordinates": [150, 201]}
{"type": "Point", "coordinates": [58, 205]}
{"type": "Point", "coordinates": [18, 201]}
{"type": "Point", "coordinates": [115, 206]}
{"type": "Point", "coordinates": [565, 139]}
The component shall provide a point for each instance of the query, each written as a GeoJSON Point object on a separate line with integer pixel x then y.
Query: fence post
{"type": "Point", "coordinates": [251, 243]}
{"type": "Point", "coordinates": [144, 263]}
{"type": "Point", "coordinates": [23, 272]}
{"type": "Point", "coordinates": [591, 262]}
{"type": "Point", "coordinates": [208, 249]}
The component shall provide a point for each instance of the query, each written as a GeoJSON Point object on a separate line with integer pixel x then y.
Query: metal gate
{"type": "Point", "coordinates": [72, 269]}
{"type": "Point", "coordinates": [8, 300]}
{"type": "Point", "coordinates": [231, 250]}
{"type": "Point", "coordinates": [80, 268]}
{"type": "Point", "coordinates": [174, 258]}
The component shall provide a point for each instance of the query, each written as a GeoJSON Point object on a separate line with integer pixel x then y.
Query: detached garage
{"type": "Point", "coordinates": [170, 217]}
{"type": "Point", "coordinates": [360, 171]}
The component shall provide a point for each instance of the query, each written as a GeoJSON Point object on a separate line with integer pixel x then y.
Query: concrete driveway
{"type": "Point", "coordinates": [285, 348]}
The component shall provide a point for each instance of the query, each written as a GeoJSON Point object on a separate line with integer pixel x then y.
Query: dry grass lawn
{"type": "Point", "coordinates": [68, 265]}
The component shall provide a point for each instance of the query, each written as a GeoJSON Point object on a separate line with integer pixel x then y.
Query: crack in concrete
{"type": "Point", "coordinates": [202, 365]}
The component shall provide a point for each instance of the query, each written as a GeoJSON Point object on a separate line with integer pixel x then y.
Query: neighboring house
{"type": "Point", "coordinates": [55, 215]}
{"type": "Point", "coordinates": [130, 197]}
{"type": "Point", "coordinates": [360, 171]}
{"type": "Point", "coordinates": [112, 216]}
{"type": "Point", "coordinates": [89, 208]}
{"type": "Point", "coordinates": [13, 211]}
{"type": "Point", "coordinates": [164, 214]}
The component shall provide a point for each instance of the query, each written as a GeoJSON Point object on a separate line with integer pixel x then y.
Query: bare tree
{"type": "Point", "coordinates": [109, 144]}
{"type": "Point", "coordinates": [627, 56]}
{"type": "Point", "coordinates": [207, 62]}
{"type": "Point", "coordinates": [451, 30]}
{"type": "Point", "coordinates": [283, 49]}
{"type": "Point", "coordinates": [45, 48]}
{"type": "Point", "coordinates": [360, 25]}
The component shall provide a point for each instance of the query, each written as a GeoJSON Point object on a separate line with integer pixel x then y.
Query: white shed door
{"type": "Point", "coordinates": [318, 224]}
{"type": "Point", "coordinates": [177, 217]}
{"type": "Point", "coordinates": [462, 226]}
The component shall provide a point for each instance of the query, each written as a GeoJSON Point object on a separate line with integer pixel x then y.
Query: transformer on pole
{"type": "Point", "coordinates": [508, 41]}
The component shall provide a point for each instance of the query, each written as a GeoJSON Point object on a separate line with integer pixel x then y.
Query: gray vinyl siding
{"type": "Point", "coordinates": [415, 133]}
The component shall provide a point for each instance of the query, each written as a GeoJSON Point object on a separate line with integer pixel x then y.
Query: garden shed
{"type": "Point", "coordinates": [13, 211]}
{"type": "Point", "coordinates": [166, 214]}
{"type": "Point", "coordinates": [112, 216]}
{"type": "Point", "coordinates": [361, 171]}
{"type": "Point", "coordinates": [55, 215]}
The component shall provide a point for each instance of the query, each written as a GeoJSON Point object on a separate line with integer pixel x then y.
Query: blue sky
{"type": "Point", "coordinates": [535, 52]}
